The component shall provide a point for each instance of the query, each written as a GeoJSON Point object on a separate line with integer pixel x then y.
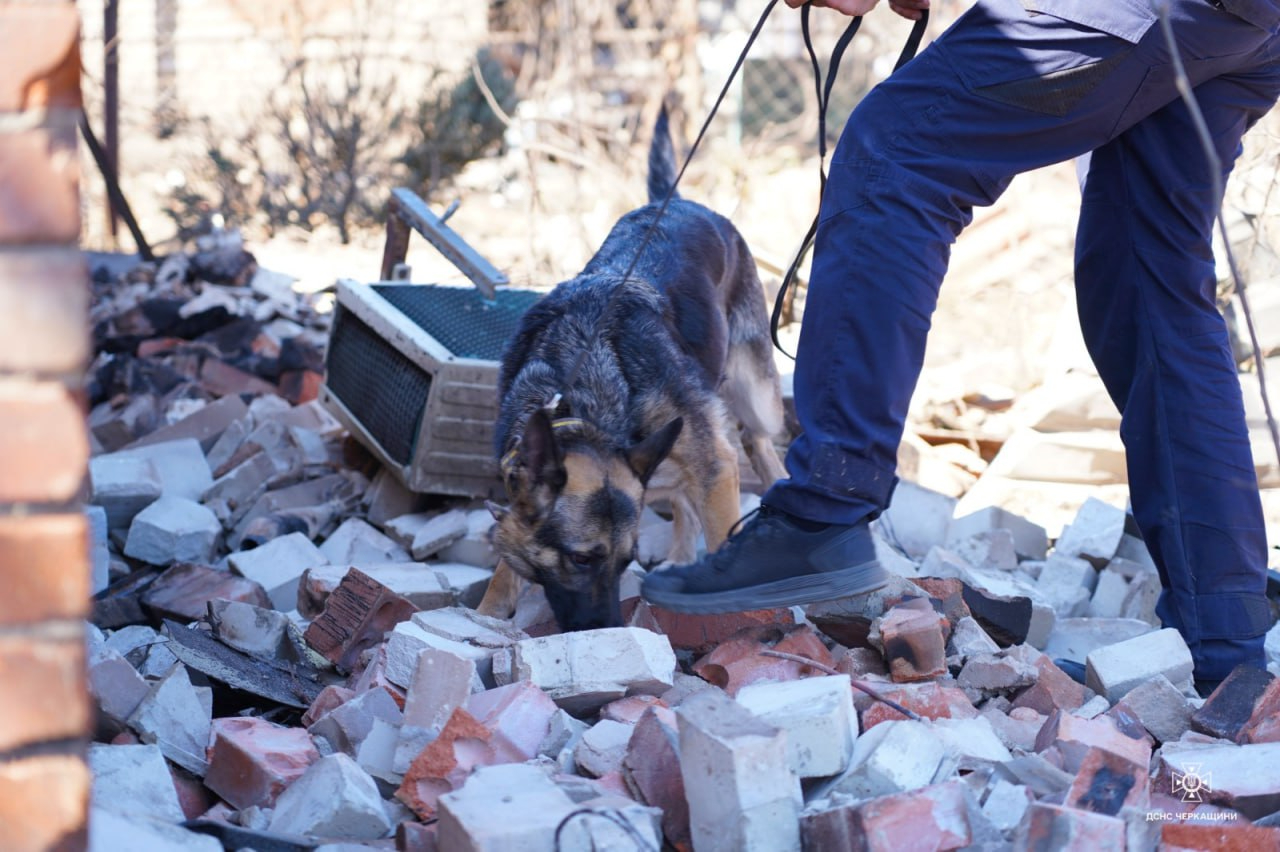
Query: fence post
{"type": "Point", "coordinates": [45, 715]}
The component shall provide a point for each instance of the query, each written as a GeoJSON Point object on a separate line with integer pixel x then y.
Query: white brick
{"type": "Point", "coordinates": [123, 486]}
{"type": "Point", "coordinates": [1006, 804]}
{"type": "Point", "coordinates": [987, 550]}
{"type": "Point", "coordinates": [817, 715]}
{"type": "Point", "coordinates": [278, 565]}
{"type": "Point", "coordinates": [1094, 534]}
{"type": "Point", "coordinates": [99, 548]}
{"type": "Point", "coordinates": [413, 581]}
{"type": "Point", "coordinates": [441, 682]}
{"type": "Point", "coordinates": [742, 795]}
{"type": "Point", "coordinates": [475, 546]}
{"type": "Point", "coordinates": [333, 798]}
{"type": "Point", "coordinates": [467, 582]}
{"type": "Point", "coordinates": [1108, 596]}
{"type": "Point", "coordinates": [173, 529]}
{"type": "Point", "coordinates": [180, 465]}
{"type": "Point", "coordinates": [584, 670]}
{"type": "Point", "coordinates": [134, 780]}
{"type": "Point", "coordinates": [1074, 638]}
{"type": "Point", "coordinates": [109, 832]}
{"type": "Point", "coordinates": [255, 631]}
{"type": "Point", "coordinates": [357, 542]}
{"type": "Point", "coordinates": [1030, 540]}
{"type": "Point", "coordinates": [917, 518]}
{"type": "Point", "coordinates": [1066, 583]}
{"type": "Point", "coordinates": [502, 809]}
{"type": "Point", "coordinates": [893, 757]}
{"type": "Point", "coordinates": [1115, 669]}
{"type": "Point", "coordinates": [602, 747]}
{"type": "Point", "coordinates": [973, 742]}
{"type": "Point", "coordinates": [427, 533]}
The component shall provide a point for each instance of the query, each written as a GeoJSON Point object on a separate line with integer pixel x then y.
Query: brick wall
{"type": "Point", "coordinates": [44, 708]}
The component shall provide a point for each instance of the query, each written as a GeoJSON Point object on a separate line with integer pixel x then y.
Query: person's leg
{"type": "Point", "coordinates": [1145, 286]}
{"type": "Point", "coordinates": [1003, 91]}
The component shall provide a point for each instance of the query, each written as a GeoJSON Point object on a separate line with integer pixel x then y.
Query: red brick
{"type": "Point", "coordinates": [44, 445]}
{"type": "Point", "coordinates": [44, 310]}
{"type": "Point", "coordinates": [40, 44]}
{"type": "Point", "coordinates": [184, 590]}
{"type": "Point", "coordinates": [44, 804]}
{"type": "Point", "coordinates": [739, 662]}
{"type": "Point", "coordinates": [1107, 783]}
{"type": "Point", "coordinates": [220, 379]}
{"type": "Point", "coordinates": [934, 818]}
{"type": "Point", "coordinates": [45, 695]}
{"type": "Point", "coordinates": [702, 633]}
{"type": "Point", "coordinates": [1052, 828]}
{"type": "Point", "coordinates": [300, 386]}
{"type": "Point", "coordinates": [519, 716]}
{"type": "Point", "coordinates": [1074, 736]}
{"type": "Point", "coordinates": [1053, 690]}
{"type": "Point", "coordinates": [915, 646]}
{"type": "Point", "coordinates": [629, 710]}
{"type": "Point", "coordinates": [1218, 837]}
{"type": "Point", "coordinates": [445, 763]}
{"type": "Point", "coordinates": [39, 186]}
{"type": "Point", "coordinates": [929, 700]}
{"type": "Point", "coordinates": [356, 616]}
{"type": "Point", "coordinates": [1264, 725]}
{"type": "Point", "coordinates": [652, 768]}
{"type": "Point", "coordinates": [946, 595]}
{"type": "Point", "coordinates": [1231, 706]}
{"type": "Point", "coordinates": [374, 676]}
{"type": "Point", "coordinates": [416, 837]}
{"type": "Point", "coordinates": [328, 699]}
{"type": "Point", "coordinates": [194, 797]}
{"type": "Point", "coordinates": [251, 760]}
{"type": "Point", "coordinates": [44, 560]}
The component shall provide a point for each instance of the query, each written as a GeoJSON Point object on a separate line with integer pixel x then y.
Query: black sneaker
{"type": "Point", "coordinates": [772, 561]}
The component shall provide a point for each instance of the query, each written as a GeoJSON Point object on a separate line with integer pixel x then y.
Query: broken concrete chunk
{"type": "Point", "coordinates": [742, 794]}
{"type": "Point", "coordinates": [123, 487]}
{"type": "Point", "coordinates": [110, 831]}
{"type": "Point", "coordinates": [917, 518]}
{"type": "Point", "coordinates": [991, 550]}
{"type": "Point", "coordinates": [1113, 670]}
{"type": "Point", "coordinates": [251, 760]}
{"type": "Point", "coordinates": [134, 780]}
{"type": "Point", "coordinates": [173, 529]}
{"type": "Point", "coordinates": [1159, 707]}
{"type": "Point", "coordinates": [441, 682]}
{"type": "Point", "coordinates": [426, 534]}
{"type": "Point", "coordinates": [116, 685]}
{"type": "Point", "coordinates": [346, 726]}
{"type": "Point", "coordinates": [602, 747]}
{"type": "Point", "coordinates": [503, 807]}
{"type": "Point", "coordinates": [973, 742]}
{"type": "Point", "coordinates": [1030, 541]}
{"type": "Point", "coordinates": [584, 670]}
{"type": "Point", "coordinates": [1006, 804]}
{"type": "Point", "coordinates": [1094, 534]}
{"type": "Point", "coordinates": [1109, 594]}
{"type": "Point", "coordinates": [475, 547]}
{"type": "Point", "coordinates": [185, 590]}
{"type": "Point", "coordinates": [892, 757]}
{"type": "Point", "coordinates": [180, 465]}
{"type": "Point", "coordinates": [1066, 583]}
{"type": "Point", "coordinates": [915, 647]}
{"type": "Point", "coordinates": [254, 630]}
{"type": "Point", "coordinates": [519, 716]}
{"type": "Point", "coordinates": [333, 798]}
{"type": "Point", "coordinates": [1075, 638]}
{"type": "Point", "coordinates": [467, 582]}
{"type": "Point", "coordinates": [356, 542]}
{"type": "Point", "coordinates": [174, 717]}
{"type": "Point", "coordinates": [277, 566]}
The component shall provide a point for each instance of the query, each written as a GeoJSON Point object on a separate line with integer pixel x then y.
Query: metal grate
{"type": "Point", "coordinates": [459, 317]}
{"type": "Point", "coordinates": [377, 384]}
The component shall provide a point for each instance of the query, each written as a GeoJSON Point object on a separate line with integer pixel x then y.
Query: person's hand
{"type": "Point", "coordinates": [910, 9]}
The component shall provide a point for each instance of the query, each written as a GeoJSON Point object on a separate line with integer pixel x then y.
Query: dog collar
{"type": "Point", "coordinates": [508, 462]}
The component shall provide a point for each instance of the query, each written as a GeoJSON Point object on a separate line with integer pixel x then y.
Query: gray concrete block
{"type": "Point", "coordinates": [173, 529]}
{"type": "Point", "coordinates": [180, 466]}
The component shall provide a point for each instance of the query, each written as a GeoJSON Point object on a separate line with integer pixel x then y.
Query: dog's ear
{"type": "Point", "coordinates": [645, 456]}
{"type": "Point", "coordinates": [497, 511]}
{"type": "Point", "coordinates": [540, 455]}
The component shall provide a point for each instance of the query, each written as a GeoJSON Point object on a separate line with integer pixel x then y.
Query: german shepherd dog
{"type": "Point", "coordinates": [659, 364]}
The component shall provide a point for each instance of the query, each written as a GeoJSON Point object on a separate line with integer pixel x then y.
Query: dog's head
{"type": "Point", "coordinates": [574, 515]}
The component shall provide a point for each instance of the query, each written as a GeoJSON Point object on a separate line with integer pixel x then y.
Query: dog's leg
{"type": "Point", "coordinates": [753, 394]}
{"type": "Point", "coordinates": [504, 590]}
{"type": "Point", "coordinates": [721, 500]}
{"type": "Point", "coordinates": [684, 533]}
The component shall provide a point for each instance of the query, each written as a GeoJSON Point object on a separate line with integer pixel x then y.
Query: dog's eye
{"type": "Point", "coordinates": [582, 560]}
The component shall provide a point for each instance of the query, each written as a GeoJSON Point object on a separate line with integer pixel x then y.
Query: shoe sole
{"type": "Point", "coordinates": [793, 591]}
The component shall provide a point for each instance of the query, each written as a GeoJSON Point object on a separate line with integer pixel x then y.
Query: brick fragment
{"type": "Point", "coordinates": [42, 433]}
{"type": "Point", "coordinates": [741, 794]}
{"type": "Point", "coordinates": [892, 757]}
{"type": "Point", "coordinates": [328, 699]}
{"type": "Point", "coordinates": [1220, 837]}
{"type": "Point", "coordinates": [1053, 689]}
{"type": "Point", "coordinates": [915, 647]}
{"type": "Point", "coordinates": [445, 763]}
{"type": "Point", "coordinates": [1159, 707]}
{"type": "Point", "coordinates": [1107, 783]}
{"type": "Point", "coordinates": [45, 324]}
{"type": "Point", "coordinates": [702, 633]}
{"type": "Point", "coordinates": [1052, 828]}
{"type": "Point", "coordinates": [974, 743]}
{"type": "Point", "coordinates": [1231, 706]}
{"type": "Point", "coordinates": [934, 817]}
{"type": "Point", "coordinates": [1094, 534]}
{"type": "Point", "coordinates": [930, 700]}
{"type": "Point", "coordinates": [652, 767]}
{"type": "Point", "coordinates": [1030, 541]}
{"type": "Point", "coordinates": [134, 780]}
{"type": "Point", "coordinates": [602, 748]}
{"type": "Point", "coordinates": [441, 683]}
{"type": "Point", "coordinates": [44, 560]}
{"type": "Point", "coordinates": [1264, 725]}
{"type": "Point", "coordinates": [204, 426]}
{"type": "Point", "coordinates": [1073, 737]}
{"type": "Point", "coordinates": [333, 798]}
{"type": "Point", "coordinates": [518, 715]}
{"type": "Point", "coordinates": [251, 760]}
{"type": "Point", "coordinates": [175, 717]}
{"type": "Point", "coordinates": [503, 807]}
{"type": "Point", "coordinates": [185, 590]}
{"type": "Point", "coordinates": [356, 541]}
{"type": "Point", "coordinates": [278, 566]}
{"type": "Point", "coordinates": [946, 594]}
{"type": "Point", "coordinates": [173, 529]}
{"type": "Point", "coordinates": [738, 662]}
{"type": "Point", "coordinates": [356, 617]}
{"type": "Point", "coordinates": [817, 715]}
{"type": "Point", "coordinates": [116, 685]}
{"type": "Point", "coordinates": [346, 726]}
{"type": "Point", "coordinates": [630, 709]}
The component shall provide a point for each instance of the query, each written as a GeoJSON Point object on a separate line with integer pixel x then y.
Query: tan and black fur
{"type": "Point", "coordinates": [675, 355]}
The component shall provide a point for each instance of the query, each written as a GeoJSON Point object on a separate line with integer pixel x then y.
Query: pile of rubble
{"type": "Point", "coordinates": [285, 652]}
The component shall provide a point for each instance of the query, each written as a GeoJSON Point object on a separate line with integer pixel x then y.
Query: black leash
{"type": "Point", "coordinates": [823, 91]}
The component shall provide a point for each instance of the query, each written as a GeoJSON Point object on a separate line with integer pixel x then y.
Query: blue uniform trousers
{"type": "Point", "coordinates": [1015, 85]}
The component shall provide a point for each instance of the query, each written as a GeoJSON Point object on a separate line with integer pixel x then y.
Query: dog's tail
{"type": "Point", "coordinates": [662, 160]}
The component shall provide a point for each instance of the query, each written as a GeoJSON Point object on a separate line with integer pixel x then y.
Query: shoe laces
{"type": "Point", "coordinates": [760, 518]}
